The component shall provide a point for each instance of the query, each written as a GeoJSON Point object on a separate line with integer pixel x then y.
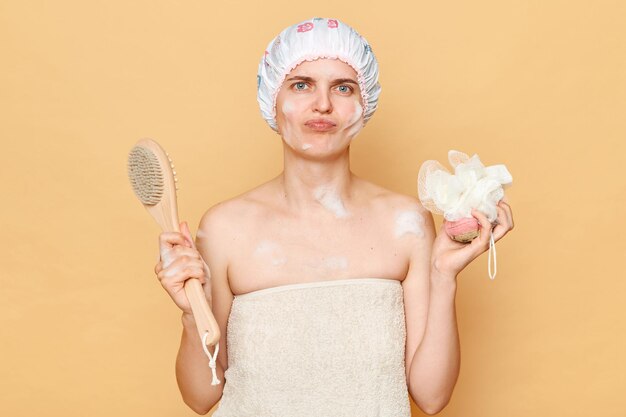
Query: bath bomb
{"type": "Point", "coordinates": [463, 230]}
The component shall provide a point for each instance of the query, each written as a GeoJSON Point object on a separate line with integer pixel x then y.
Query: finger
{"type": "Point", "coordinates": [167, 240]}
{"type": "Point", "coordinates": [181, 276]}
{"type": "Point", "coordinates": [508, 211]}
{"type": "Point", "coordinates": [502, 224]}
{"type": "Point", "coordinates": [180, 253]}
{"type": "Point", "coordinates": [188, 253]}
{"type": "Point", "coordinates": [187, 233]}
{"type": "Point", "coordinates": [183, 232]}
{"type": "Point", "coordinates": [201, 278]}
{"type": "Point", "coordinates": [191, 260]}
{"type": "Point", "coordinates": [503, 218]}
{"type": "Point", "coordinates": [485, 230]}
{"type": "Point", "coordinates": [158, 267]}
{"type": "Point", "coordinates": [180, 271]}
{"type": "Point", "coordinates": [191, 272]}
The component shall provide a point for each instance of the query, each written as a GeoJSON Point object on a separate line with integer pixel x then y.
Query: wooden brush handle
{"type": "Point", "coordinates": [201, 311]}
{"type": "Point", "coordinates": [166, 215]}
{"type": "Point", "coordinates": [202, 314]}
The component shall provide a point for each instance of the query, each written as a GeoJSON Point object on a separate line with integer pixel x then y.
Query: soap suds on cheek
{"type": "Point", "coordinates": [331, 201]}
{"type": "Point", "coordinates": [270, 251]}
{"type": "Point", "coordinates": [306, 146]}
{"type": "Point", "coordinates": [287, 109]}
{"type": "Point", "coordinates": [409, 222]}
{"type": "Point", "coordinates": [355, 124]}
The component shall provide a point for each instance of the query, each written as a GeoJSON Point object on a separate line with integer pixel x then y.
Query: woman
{"type": "Point", "coordinates": [335, 295]}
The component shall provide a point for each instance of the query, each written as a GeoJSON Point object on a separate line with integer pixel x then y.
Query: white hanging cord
{"type": "Point", "coordinates": [492, 245]}
{"type": "Point", "coordinates": [212, 358]}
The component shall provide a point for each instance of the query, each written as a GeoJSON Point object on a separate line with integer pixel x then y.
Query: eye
{"type": "Point", "coordinates": [299, 85]}
{"type": "Point", "coordinates": [345, 88]}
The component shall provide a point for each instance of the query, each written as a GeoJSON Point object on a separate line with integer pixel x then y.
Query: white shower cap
{"type": "Point", "coordinates": [310, 40]}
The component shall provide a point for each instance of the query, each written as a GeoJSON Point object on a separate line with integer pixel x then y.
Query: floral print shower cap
{"type": "Point", "coordinates": [310, 40]}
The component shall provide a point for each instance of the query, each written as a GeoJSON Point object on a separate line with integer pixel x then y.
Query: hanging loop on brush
{"type": "Point", "coordinates": [212, 358]}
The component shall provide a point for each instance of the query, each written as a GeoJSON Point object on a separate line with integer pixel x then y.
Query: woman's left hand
{"type": "Point", "coordinates": [449, 257]}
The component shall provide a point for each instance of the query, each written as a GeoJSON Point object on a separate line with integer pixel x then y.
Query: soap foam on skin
{"type": "Point", "coordinates": [306, 146]}
{"type": "Point", "coordinates": [409, 222]}
{"type": "Point", "coordinates": [167, 261]}
{"type": "Point", "coordinates": [335, 263]}
{"type": "Point", "coordinates": [331, 201]}
{"type": "Point", "coordinates": [332, 263]}
{"type": "Point", "coordinates": [287, 109]}
{"type": "Point", "coordinates": [268, 249]}
{"type": "Point", "coordinates": [355, 123]}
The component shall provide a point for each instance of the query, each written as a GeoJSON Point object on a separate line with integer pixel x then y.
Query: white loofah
{"type": "Point", "coordinates": [471, 186]}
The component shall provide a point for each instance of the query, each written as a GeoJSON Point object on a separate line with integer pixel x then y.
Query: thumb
{"type": "Point", "coordinates": [184, 228]}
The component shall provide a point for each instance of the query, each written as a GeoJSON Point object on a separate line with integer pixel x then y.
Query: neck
{"type": "Point", "coordinates": [310, 184]}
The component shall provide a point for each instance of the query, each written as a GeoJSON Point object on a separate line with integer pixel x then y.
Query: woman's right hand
{"type": "Point", "coordinates": [179, 261]}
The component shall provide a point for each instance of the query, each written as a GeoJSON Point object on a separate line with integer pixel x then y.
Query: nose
{"type": "Point", "coordinates": [323, 103]}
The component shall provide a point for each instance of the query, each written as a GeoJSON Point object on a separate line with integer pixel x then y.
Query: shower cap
{"type": "Point", "coordinates": [310, 40]}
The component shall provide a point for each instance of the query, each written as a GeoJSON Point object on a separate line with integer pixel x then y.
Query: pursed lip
{"type": "Point", "coordinates": [320, 124]}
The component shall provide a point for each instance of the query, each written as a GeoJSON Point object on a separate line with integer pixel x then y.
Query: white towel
{"type": "Point", "coordinates": [324, 349]}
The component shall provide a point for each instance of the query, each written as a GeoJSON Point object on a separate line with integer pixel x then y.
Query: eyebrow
{"type": "Point", "coordinates": [336, 81]}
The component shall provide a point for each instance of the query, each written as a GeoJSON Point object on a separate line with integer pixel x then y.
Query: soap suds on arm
{"type": "Point", "coordinates": [409, 222]}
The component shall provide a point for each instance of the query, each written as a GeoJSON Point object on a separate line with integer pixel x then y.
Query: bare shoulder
{"type": "Point", "coordinates": [222, 229]}
{"type": "Point", "coordinates": [229, 217]}
{"type": "Point", "coordinates": [412, 225]}
{"type": "Point", "coordinates": [389, 201]}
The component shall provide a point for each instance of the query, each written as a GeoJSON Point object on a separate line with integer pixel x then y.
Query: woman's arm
{"type": "Point", "coordinates": [435, 365]}
{"type": "Point", "coordinates": [432, 344]}
{"type": "Point", "coordinates": [192, 364]}
{"type": "Point", "coordinates": [193, 373]}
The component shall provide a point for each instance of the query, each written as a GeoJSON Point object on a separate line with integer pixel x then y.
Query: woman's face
{"type": "Point", "coordinates": [318, 106]}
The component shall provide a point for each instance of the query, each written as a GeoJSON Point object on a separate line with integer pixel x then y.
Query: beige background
{"type": "Point", "coordinates": [86, 329]}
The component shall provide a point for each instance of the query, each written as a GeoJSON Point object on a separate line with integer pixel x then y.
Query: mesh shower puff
{"type": "Point", "coordinates": [471, 186]}
{"type": "Point", "coordinates": [455, 195]}
{"type": "Point", "coordinates": [310, 40]}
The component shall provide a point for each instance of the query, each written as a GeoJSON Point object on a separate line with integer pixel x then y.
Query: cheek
{"type": "Point", "coordinates": [290, 110]}
{"type": "Point", "coordinates": [355, 122]}
{"type": "Point", "coordinates": [357, 113]}
{"type": "Point", "coordinates": [287, 110]}
{"type": "Point", "coordinates": [287, 107]}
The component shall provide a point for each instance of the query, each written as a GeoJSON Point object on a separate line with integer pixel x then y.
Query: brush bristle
{"type": "Point", "coordinates": [146, 176]}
